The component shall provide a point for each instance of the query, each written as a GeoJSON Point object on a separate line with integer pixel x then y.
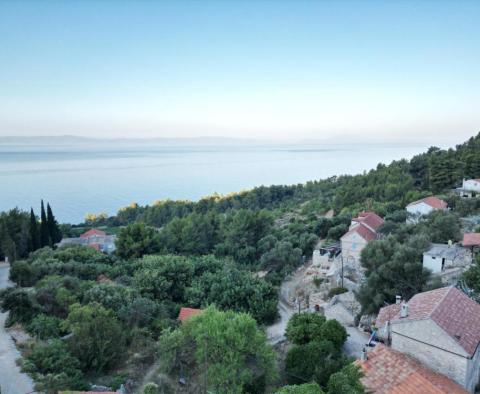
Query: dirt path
{"type": "Point", "coordinates": [276, 332]}
{"type": "Point", "coordinates": [12, 381]}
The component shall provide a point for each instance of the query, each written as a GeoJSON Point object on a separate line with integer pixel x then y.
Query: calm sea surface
{"type": "Point", "coordinates": [92, 179]}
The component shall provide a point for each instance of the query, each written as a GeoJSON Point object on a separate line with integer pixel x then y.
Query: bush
{"type": "Point", "coordinates": [45, 327]}
{"type": "Point", "coordinates": [54, 359]}
{"type": "Point", "coordinates": [336, 291]}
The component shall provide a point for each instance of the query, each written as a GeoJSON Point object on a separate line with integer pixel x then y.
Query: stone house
{"type": "Point", "coordinates": [387, 371]}
{"type": "Point", "coordinates": [448, 261]}
{"type": "Point", "coordinates": [472, 242]}
{"type": "Point", "coordinates": [419, 208]}
{"type": "Point", "coordinates": [362, 230]}
{"type": "Point", "coordinates": [441, 329]}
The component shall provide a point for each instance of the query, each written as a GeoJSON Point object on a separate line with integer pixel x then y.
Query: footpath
{"type": "Point", "coordinates": [12, 380]}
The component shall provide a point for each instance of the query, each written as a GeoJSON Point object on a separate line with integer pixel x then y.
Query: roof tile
{"type": "Point", "coordinates": [390, 372]}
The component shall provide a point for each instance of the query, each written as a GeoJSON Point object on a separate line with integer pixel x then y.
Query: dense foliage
{"type": "Point", "coordinates": [316, 354]}
{"type": "Point", "coordinates": [393, 265]}
{"type": "Point", "coordinates": [227, 349]}
{"type": "Point", "coordinates": [113, 307]}
{"type": "Point", "coordinates": [22, 233]}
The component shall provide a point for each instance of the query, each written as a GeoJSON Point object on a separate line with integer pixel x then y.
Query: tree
{"type": "Point", "coordinates": [472, 276]}
{"type": "Point", "coordinates": [235, 289]}
{"type": "Point", "coordinates": [164, 277]}
{"type": "Point", "coordinates": [150, 388]}
{"type": "Point", "coordinates": [393, 267]}
{"type": "Point", "coordinates": [242, 232]}
{"type": "Point", "coordinates": [306, 388]}
{"type": "Point", "coordinates": [34, 237]}
{"type": "Point", "coordinates": [20, 304]}
{"type": "Point", "coordinates": [226, 348]}
{"type": "Point", "coordinates": [44, 231]}
{"type": "Point", "coordinates": [303, 328]}
{"type": "Point", "coordinates": [54, 233]}
{"type": "Point", "coordinates": [45, 327]}
{"type": "Point", "coordinates": [316, 360]}
{"type": "Point", "coordinates": [346, 381]}
{"type": "Point", "coordinates": [54, 368]}
{"type": "Point", "coordinates": [140, 312]}
{"type": "Point", "coordinates": [136, 240]}
{"type": "Point", "coordinates": [98, 340]}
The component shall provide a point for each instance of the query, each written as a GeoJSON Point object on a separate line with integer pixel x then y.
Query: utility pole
{"type": "Point", "coordinates": [342, 269]}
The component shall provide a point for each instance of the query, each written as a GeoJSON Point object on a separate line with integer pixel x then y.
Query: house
{"type": "Point", "coordinates": [362, 230]}
{"type": "Point", "coordinates": [423, 207]}
{"type": "Point", "coordinates": [470, 188]}
{"type": "Point", "coordinates": [441, 329]}
{"type": "Point", "coordinates": [93, 233]}
{"type": "Point", "coordinates": [386, 371]}
{"type": "Point", "coordinates": [471, 241]}
{"type": "Point", "coordinates": [187, 313]}
{"type": "Point", "coordinates": [94, 238]}
{"type": "Point", "coordinates": [447, 260]}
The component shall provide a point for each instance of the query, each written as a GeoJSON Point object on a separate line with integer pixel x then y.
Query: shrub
{"type": "Point", "coordinates": [336, 291]}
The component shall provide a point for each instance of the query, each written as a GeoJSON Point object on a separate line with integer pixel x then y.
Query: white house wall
{"type": "Point", "coordinates": [472, 185]}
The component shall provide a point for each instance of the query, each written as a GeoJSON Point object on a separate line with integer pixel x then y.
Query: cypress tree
{"type": "Point", "coordinates": [34, 239]}
{"type": "Point", "coordinates": [53, 229]}
{"type": "Point", "coordinates": [44, 235]}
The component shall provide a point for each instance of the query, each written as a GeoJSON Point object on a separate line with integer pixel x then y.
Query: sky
{"type": "Point", "coordinates": [392, 70]}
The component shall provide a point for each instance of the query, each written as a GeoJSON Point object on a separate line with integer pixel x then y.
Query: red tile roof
{"type": "Point", "coordinates": [363, 231]}
{"type": "Point", "coordinates": [186, 313]}
{"type": "Point", "coordinates": [450, 308]}
{"type": "Point", "coordinates": [434, 202]}
{"type": "Point", "coordinates": [93, 231]}
{"type": "Point", "coordinates": [387, 371]}
{"type": "Point", "coordinates": [471, 239]}
{"type": "Point", "coordinates": [371, 219]}
{"type": "Point", "coordinates": [387, 313]}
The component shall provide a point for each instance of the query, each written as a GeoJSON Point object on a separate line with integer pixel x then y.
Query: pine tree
{"type": "Point", "coordinates": [53, 229]}
{"type": "Point", "coordinates": [34, 239]}
{"type": "Point", "coordinates": [44, 234]}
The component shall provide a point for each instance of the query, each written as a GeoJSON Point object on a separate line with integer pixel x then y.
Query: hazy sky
{"type": "Point", "coordinates": [270, 69]}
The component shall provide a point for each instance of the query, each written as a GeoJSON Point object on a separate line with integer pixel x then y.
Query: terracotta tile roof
{"type": "Point", "coordinates": [93, 231]}
{"type": "Point", "coordinates": [186, 313]}
{"type": "Point", "coordinates": [390, 372]}
{"type": "Point", "coordinates": [450, 308]}
{"type": "Point", "coordinates": [371, 219]}
{"type": "Point", "coordinates": [471, 239]}
{"type": "Point", "coordinates": [387, 313]}
{"type": "Point", "coordinates": [434, 202]}
{"type": "Point", "coordinates": [363, 231]}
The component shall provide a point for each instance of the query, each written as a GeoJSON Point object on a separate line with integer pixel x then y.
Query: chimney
{"type": "Point", "coordinates": [404, 310]}
{"type": "Point", "coordinates": [364, 356]}
{"type": "Point", "coordinates": [398, 299]}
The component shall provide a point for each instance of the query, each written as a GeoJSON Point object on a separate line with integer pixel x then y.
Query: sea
{"type": "Point", "coordinates": [77, 179]}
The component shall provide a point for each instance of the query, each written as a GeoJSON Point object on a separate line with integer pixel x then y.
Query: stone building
{"type": "Point", "coordinates": [362, 230]}
{"type": "Point", "coordinates": [448, 261]}
{"type": "Point", "coordinates": [441, 329]}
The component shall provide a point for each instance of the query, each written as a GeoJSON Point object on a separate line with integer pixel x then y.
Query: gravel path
{"type": "Point", "coordinates": [12, 381]}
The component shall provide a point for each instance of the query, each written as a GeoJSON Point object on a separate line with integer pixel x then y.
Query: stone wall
{"type": "Point", "coordinates": [428, 343]}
